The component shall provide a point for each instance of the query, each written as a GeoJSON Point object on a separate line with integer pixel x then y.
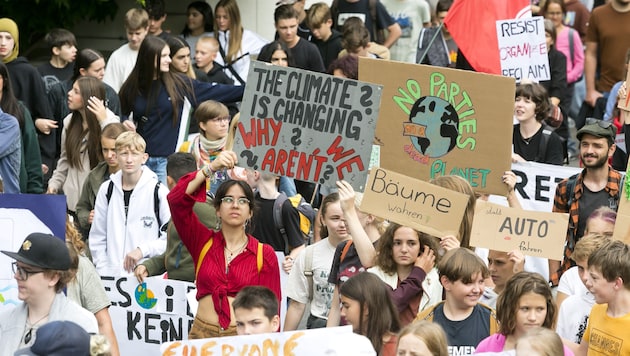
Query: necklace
{"type": "Point", "coordinates": [234, 253]}
{"type": "Point", "coordinates": [29, 334]}
{"type": "Point", "coordinates": [527, 140]}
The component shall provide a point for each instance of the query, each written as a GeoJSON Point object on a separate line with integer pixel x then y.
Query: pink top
{"type": "Point", "coordinates": [496, 342]}
{"type": "Point", "coordinates": [575, 65]}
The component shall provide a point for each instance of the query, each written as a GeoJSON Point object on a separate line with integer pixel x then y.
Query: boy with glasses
{"type": "Point", "coordinates": [41, 269]}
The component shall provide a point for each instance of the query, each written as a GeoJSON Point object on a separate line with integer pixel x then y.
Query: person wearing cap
{"type": "Point", "coordinates": [41, 269]}
{"type": "Point", "coordinates": [597, 185]}
{"type": "Point", "coordinates": [59, 338]}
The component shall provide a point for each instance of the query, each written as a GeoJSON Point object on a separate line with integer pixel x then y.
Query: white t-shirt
{"type": "Point", "coordinates": [297, 287]}
{"type": "Point", "coordinates": [410, 16]}
{"type": "Point", "coordinates": [119, 66]}
{"type": "Point", "coordinates": [573, 316]}
{"type": "Point", "coordinates": [571, 284]}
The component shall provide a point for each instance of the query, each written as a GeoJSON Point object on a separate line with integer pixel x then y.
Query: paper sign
{"type": "Point", "coordinates": [306, 125]}
{"type": "Point", "coordinates": [534, 233]}
{"type": "Point", "coordinates": [315, 342]}
{"type": "Point", "coordinates": [414, 203]}
{"type": "Point", "coordinates": [523, 49]}
{"type": "Point", "coordinates": [437, 121]}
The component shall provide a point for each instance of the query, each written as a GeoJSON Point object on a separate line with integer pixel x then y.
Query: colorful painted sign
{"type": "Point", "coordinates": [437, 121]}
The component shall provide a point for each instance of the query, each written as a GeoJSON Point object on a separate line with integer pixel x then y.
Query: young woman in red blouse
{"type": "Point", "coordinates": [228, 259]}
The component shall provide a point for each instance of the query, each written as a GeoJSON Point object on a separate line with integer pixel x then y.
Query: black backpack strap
{"type": "Point", "coordinates": [229, 66]}
{"type": "Point", "coordinates": [277, 219]}
{"type": "Point", "coordinates": [110, 190]}
{"type": "Point", "coordinates": [156, 206]}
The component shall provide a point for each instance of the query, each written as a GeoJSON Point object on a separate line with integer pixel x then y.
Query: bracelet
{"type": "Point", "coordinates": [207, 171]}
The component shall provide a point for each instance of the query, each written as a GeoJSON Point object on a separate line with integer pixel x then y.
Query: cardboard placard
{"type": "Point", "coordinates": [414, 203]}
{"type": "Point", "coordinates": [523, 49]}
{"type": "Point", "coordinates": [437, 121]}
{"type": "Point", "coordinates": [314, 342]}
{"type": "Point", "coordinates": [534, 233]}
{"type": "Point", "coordinates": [306, 125]}
{"type": "Point", "coordinates": [622, 223]}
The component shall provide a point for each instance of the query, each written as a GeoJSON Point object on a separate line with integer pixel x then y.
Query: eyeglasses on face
{"type": "Point", "coordinates": [601, 123]}
{"type": "Point", "coordinates": [230, 200]}
{"type": "Point", "coordinates": [24, 273]}
{"type": "Point", "coordinates": [220, 119]}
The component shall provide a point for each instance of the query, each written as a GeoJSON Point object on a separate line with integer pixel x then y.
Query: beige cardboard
{"type": "Point", "coordinates": [478, 109]}
{"type": "Point", "coordinates": [622, 223]}
{"type": "Point", "coordinates": [411, 202]}
{"type": "Point", "coordinates": [534, 233]}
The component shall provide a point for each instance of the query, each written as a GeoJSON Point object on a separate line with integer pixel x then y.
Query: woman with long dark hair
{"type": "Point", "coordinates": [226, 259]}
{"type": "Point", "coordinates": [80, 139]}
{"type": "Point", "coordinates": [154, 96]}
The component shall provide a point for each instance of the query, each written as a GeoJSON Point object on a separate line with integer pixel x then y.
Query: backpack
{"type": "Point", "coordinates": [156, 202]}
{"type": "Point", "coordinates": [379, 33]}
{"type": "Point", "coordinates": [542, 149]}
{"type": "Point", "coordinates": [305, 211]}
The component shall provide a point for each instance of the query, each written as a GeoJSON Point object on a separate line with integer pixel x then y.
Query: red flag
{"type": "Point", "coordinates": [472, 23]}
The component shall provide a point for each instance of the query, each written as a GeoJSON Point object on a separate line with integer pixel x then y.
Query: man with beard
{"type": "Point", "coordinates": [597, 185]}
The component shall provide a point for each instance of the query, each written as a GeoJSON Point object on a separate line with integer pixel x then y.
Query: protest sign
{"type": "Point", "coordinates": [414, 203]}
{"type": "Point", "coordinates": [437, 121]}
{"type": "Point", "coordinates": [314, 342]}
{"type": "Point", "coordinates": [523, 49]}
{"type": "Point", "coordinates": [622, 223]}
{"type": "Point", "coordinates": [306, 125]}
{"type": "Point", "coordinates": [539, 234]}
{"type": "Point", "coordinates": [21, 215]}
{"type": "Point", "coordinates": [145, 315]}
{"type": "Point", "coordinates": [536, 183]}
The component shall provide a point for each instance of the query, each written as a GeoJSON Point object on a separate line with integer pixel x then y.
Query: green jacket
{"type": "Point", "coordinates": [176, 260]}
{"type": "Point", "coordinates": [97, 176]}
{"type": "Point", "coordinates": [31, 175]}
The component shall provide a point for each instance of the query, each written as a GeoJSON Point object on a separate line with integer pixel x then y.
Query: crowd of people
{"type": "Point", "coordinates": [104, 133]}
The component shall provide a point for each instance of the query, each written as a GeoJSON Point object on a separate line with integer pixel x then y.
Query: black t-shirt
{"type": "Point", "coordinates": [530, 148]}
{"type": "Point", "coordinates": [341, 271]}
{"type": "Point", "coordinates": [463, 336]}
{"type": "Point", "coordinates": [307, 56]}
{"type": "Point", "coordinates": [265, 229]}
{"type": "Point", "coordinates": [52, 75]}
{"type": "Point", "coordinates": [361, 9]}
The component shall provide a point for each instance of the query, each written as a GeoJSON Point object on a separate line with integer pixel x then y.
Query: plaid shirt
{"type": "Point", "coordinates": [560, 205]}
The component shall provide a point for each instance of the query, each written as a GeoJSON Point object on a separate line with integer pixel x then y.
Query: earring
{"type": "Point", "coordinates": [246, 223]}
{"type": "Point", "coordinates": [218, 224]}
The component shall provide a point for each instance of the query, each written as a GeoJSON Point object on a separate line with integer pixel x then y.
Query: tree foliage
{"type": "Point", "coordinates": [36, 17]}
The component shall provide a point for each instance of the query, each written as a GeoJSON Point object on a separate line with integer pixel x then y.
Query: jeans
{"type": "Point", "coordinates": [158, 165]}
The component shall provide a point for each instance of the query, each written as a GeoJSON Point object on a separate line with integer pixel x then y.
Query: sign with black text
{"type": "Point", "coordinates": [534, 233]}
{"type": "Point", "coordinates": [413, 202]}
{"type": "Point", "coordinates": [523, 49]}
{"type": "Point", "coordinates": [305, 125]}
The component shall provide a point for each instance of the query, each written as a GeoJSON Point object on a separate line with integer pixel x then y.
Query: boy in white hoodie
{"type": "Point", "coordinates": [130, 212]}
